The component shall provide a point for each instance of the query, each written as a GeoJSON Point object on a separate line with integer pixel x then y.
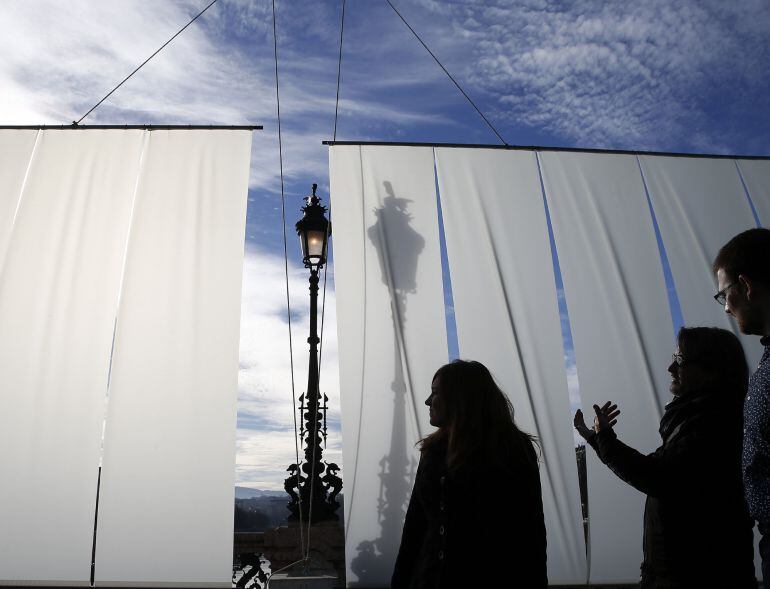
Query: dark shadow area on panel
{"type": "Point", "coordinates": [398, 248]}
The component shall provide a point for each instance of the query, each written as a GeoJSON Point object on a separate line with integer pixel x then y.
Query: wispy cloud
{"type": "Point", "coordinates": [614, 74]}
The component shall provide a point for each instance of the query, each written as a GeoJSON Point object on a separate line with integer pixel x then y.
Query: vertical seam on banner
{"type": "Point", "coordinates": [555, 257]}
{"type": "Point", "coordinates": [22, 189]}
{"type": "Point", "coordinates": [363, 347]}
{"type": "Point", "coordinates": [129, 230]}
{"type": "Point", "coordinates": [748, 194]}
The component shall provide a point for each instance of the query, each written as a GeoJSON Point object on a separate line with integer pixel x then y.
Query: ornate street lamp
{"type": "Point", "coordinates": [316, 483]}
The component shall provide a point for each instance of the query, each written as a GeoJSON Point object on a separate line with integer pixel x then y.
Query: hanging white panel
{"type": "Point", "coordinates": [621, 329]}
{"type": "Point", "coordinates": [59, 288]}
{"type": "Point", "coordinates": [392, 338]}
{"type": "Point", "coordinates": [16, 147]}
{"type": "Point", "coordinates": [700, 204]}
{"type": "Point", "coordinates": [166, 501]}
{"type": "Point", "coordinates": [507, 318]}
{"type": "Point", "coordinates": [756, 175]}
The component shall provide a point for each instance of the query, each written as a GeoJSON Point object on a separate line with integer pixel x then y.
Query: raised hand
{"type": "Point", "coordinates": [606, 416]}
{"type": "Point", "coordinates": [580, 425]}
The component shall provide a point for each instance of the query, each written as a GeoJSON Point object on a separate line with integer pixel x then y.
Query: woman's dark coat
{"type": "Point", "coordinates": [697, 531]}
{"type": "Point", "coordinates": [481, 527]}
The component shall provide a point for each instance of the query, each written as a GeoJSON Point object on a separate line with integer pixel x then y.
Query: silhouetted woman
{"type": "Point", "coordinates": [697, 531]}
{"type": "Point", "coordinates": [475, 518]}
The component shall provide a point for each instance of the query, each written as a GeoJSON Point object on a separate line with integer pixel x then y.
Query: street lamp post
{"type": "Point", "coordinates": [316, 485]}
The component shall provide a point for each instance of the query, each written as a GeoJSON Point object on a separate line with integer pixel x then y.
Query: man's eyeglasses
{"type": "Point", "coordinates": [678, 359]}
{"type": "Point", "coordinates": [721, 296]}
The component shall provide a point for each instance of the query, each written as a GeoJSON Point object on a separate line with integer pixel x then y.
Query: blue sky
{"type": "Point", "coordinates": [653, 75]}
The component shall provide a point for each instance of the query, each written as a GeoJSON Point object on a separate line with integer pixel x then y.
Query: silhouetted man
{"type": "Point", "coordinates": [742, 268]}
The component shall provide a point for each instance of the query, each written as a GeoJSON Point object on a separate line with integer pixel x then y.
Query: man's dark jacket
{"type": "Point", "coordinates": [481, 527]}
{"type": "Point", "coordinates": [697, 531]}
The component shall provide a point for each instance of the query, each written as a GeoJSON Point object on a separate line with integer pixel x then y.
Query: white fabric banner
{"type": "Point", "coordinates": [59, 285]}
{"type": "Point", "coordinates": [392, 338]}
{"type": "Point", "coordinates": [700, 204]}
{"type": "Point", "coordinates": [621, 329]}
{"type": "Point", "coordinates": [166, 502]}
{"type": "Point", "coordinates": [507, 315]}
{"type": "Point", "coordinates": [16, 148]}
{"type": "Point", "coordinates": [756, 175]}
{"type": "Point", "coordinates": [507, 318]}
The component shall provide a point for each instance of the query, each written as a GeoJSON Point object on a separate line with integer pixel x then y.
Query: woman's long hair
{"type": "Point", "coordinates": [480, 426]}
{"type": "Point", "coordinates": [719, 352]}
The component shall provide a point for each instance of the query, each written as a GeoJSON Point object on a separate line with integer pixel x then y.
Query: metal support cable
{"type": "Point", "coordinates": [288, 566]}
{"type": "Point", "coordinates": [323, 300]}
{"type": "Point", "coordinates": [337, 101]}
{"type": "Point", "coordinates": [145, 61]}
{"type": "Point", "coordinates": [468, 98]}
{"type": "Point", "coordinates": [286, 272]}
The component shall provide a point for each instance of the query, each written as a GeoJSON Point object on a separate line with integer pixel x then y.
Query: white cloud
{"type": "Point", "coordinates": [613, 74]}
{"type": "Point", "coordinates": [590, 72]}
{"type": "Point", "coordinates": [263, 457]}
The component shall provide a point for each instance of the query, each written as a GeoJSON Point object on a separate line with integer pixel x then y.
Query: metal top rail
{"type": "Point", "coordinates": [547, 148]}
{"type": "Point", "coordinates": [145, 127]}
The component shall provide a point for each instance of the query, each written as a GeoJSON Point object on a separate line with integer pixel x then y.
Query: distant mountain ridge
{"type": "Point", "coordinates": [257, 510]}
{"type": "Point", "coordinates": [249, 493]}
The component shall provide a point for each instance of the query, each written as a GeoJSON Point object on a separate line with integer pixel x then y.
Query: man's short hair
{"type": "Point", "coordinates": [747, 253]}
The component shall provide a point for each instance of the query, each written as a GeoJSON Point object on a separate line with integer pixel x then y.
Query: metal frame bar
{"type": "Point", "coordinates": [145, 127]}
{"type": "Point", "coordinates": [546, 148]}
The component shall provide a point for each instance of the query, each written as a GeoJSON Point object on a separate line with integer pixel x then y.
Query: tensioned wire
{"type": "Point", "coordinates": [336, 111]}
{"type": "Point", "coordinates": [124, 80]}
{"type": "Point", "coordinates": [323, 300]}
{"type": "Point", "coordinates": [446, 71]}
{"type": "Point", "coordinates": [339, 77]}
{"type": "Point", "coordinates": [433, 55]}
{"type": "Point", "coordinates": [286, 273]}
